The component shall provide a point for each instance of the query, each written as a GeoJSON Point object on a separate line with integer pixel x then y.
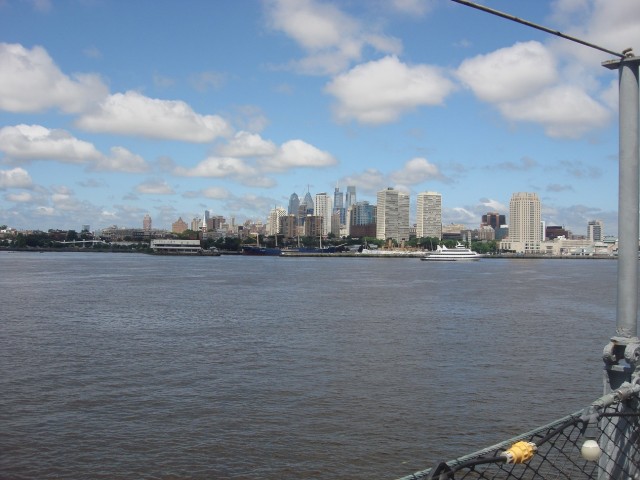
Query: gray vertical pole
{"type": "Point", "coordinates": [620, 355]}
{"type": "Point", "coordinates": [627, 312]}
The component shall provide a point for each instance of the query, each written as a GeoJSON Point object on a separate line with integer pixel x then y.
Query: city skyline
{"type": "Point", "coordinates": [104, 120]}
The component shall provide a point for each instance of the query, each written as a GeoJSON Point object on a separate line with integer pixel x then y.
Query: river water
{"type": "Point", "coordinates": [129, 366]}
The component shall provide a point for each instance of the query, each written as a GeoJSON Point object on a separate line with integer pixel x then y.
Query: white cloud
{"type": "Point", "coordinates": [523, 83]}
{"type": "Point", "coordinates": [412, 7]}
{"type": "Point", "coordinates": [155, 187]}
{"type": "Point", "coordinates": [35, 142]}
{"type": "Point", "coordinates": [131, 113]}
{"type": "Point", "coordinates": [31, 82]}
{"type": "Point", "coordinates": [121, 160]}
{"type": "Point", "coordinates": [331, 38]}
{"type": "Point", "coordinates": [297, 154]}
{"type": "Point", "coordinates": [493, 205]}
{"type": "Point", "coordinates": [215, 193]}
{"type": "Point", "coordinates": [509, 73]}
{"type": "Point", "coordinates": [20, 197]}
{"type": "Point", "coordinates": [415, 171]}
{"type": "Point", "coordinates": [218, 167]}
{"type": "Point", "coordinates": [15, 178]}
{"type": "Point", "coordinates": [565, 112]}
{"type": "Point", "coordinates": [379, 92]}
{"type": "Point", "coordinates": [245, 144]}
{"type": "Point", "coordinates": [369, 181]}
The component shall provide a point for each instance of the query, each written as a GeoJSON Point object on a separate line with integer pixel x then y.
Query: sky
{"type": "Point", "coordinates": [110, 109]}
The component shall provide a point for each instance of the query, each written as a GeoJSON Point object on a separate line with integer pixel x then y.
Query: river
{"type": "Point", "coordinates": [131, 366]}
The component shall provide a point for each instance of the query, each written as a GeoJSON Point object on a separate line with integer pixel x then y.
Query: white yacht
{"type": "Point", "coordinates": [443, 253]}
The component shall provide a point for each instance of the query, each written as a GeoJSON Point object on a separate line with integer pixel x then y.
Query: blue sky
{"type": "Point", "coordinates": [110, 110]}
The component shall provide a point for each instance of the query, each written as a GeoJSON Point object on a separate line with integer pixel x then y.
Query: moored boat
{"type": "Point", "coordinates": [460, 252]}
{"type": "Point", "coordinates": [260, 251]}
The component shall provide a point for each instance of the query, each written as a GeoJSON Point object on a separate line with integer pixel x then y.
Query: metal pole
{"type": "Point", "coordinates": [627, 312]}
{"type": "Point", "coordinates": [621, 355]}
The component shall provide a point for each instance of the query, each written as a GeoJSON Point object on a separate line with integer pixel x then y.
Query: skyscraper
{"type": "Point", "coordinates": [350, 197]}
{"type": "Point", "coordinates": [273, 225]}
{"type": "Point", "coordinates": [323, 209]}
{"type": "Point", "coordinates": [595, 230]}
{"type": "Point", "coordinates": [525, 231]}
{"type": "Point", "coordinates": [392, 215]}
{"type": "Point", "coordinates": [294, 204]}
{"type": "Point", "coordinates": [146, 223]}
{"type": "Point", "coordinates": [429, 215]}
{"type": "Point", "coordinates": [338, 204]}
{"type": "Point", "coordinates": [308, 202]}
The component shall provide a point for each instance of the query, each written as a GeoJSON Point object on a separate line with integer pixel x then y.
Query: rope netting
{"type": "Point", "coordinates": [600, 442]}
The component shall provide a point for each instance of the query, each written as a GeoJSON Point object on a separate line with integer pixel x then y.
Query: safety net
{"type": "Point", "coordinates": [599, 442]}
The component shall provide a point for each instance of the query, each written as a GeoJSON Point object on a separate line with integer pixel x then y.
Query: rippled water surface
{"type": "Point", "coordinates": [132, 366]}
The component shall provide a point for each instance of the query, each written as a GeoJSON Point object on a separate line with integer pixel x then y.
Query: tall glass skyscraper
{"type": "Point", "coordinates": [350, 198]}
{"type": "Point", "coordinates": [338, 205]}
{"type": "Point", "coordinates": [294, 204]}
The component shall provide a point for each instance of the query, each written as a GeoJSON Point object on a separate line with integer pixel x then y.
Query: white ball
{"type": "Point", "coordinates": [591, 450]}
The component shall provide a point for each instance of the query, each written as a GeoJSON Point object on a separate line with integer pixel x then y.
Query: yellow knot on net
{"type": "Point", "coordinates": [520, 452]}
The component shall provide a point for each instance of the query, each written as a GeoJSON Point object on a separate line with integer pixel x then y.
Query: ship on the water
{"type": "Point", "coordinates": [459, 253]}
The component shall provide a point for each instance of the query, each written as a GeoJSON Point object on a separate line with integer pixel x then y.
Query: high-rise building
{"type": "Point", "coordinates": [338, 205]}
{"type": "Point", "coordinates": [179, 226]}
{"type": "Point", "coordinates": [308, 203]}
{"type": "Point", "coordinates": [273, 224]}
{"type": "Point", "coordinates": [429, 215]}
{"type": "Point", "coordinates": [595, 230]}
{"type": "Point", "coordinates": [350, 196]}
{"type": "Point", "coordinates": [294, 204]}
{"type": "Point", "coordinates": [362, 219]}
{"type": "Point", "coordinates": [146, 223]}
{"type": "Point", "coordinates": [392, 220]}
{"type": "Point", "coordinates": [493, 220]}
{"type": "Point", "coordinates": [525, 231]}
{"type": "Point", "coordinates": [323, 209]}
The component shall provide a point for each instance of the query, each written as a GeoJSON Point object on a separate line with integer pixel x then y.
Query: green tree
{"type": "Point", "coordinates": [72, 236]}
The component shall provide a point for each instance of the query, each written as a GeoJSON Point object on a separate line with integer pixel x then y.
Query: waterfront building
{"type": "Point", "coordinates": [338, 205]}
{"type": "Point", "coordinates": [362, 219]}
{"type": "Point", "coordinates": [146, 222]}
{"type": "Point", "coordinates": [323, 209]}
{"type": "Point", "coordinates": [392, 216]}
{"type": "Point", "coordinates": [595, 230]}
{"type": "Point", "coordinates": [179, 226]}
{"type": "Point", "coordinates": [525, 231]}
{"type": "Point", "coordinates": [294, 204]}
{"type": "Point", "coordinates": [429, 215]}
{"type": "Point", "coordinates": [555, 231]}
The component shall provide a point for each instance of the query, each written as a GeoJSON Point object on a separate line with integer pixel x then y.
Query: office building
{"type": "Point", "coordinates": [322, 208]}
{"type": "Point", "coordinates": [146, 223]}
{"type": "Point", "coordinates": [179, 226]}
{"type": "Point", "coordinates": [525, 230]}
{"type": "Point", "coordinates": [493, 220]}
{"type": "Point", "coordinates": [294, 204]}
{"type": "Point", "coordinates": [392, 216]}
{"type": "Point", "coordinates": [429, 215]}
{"type": "Point", "coordinates": [595, 230]}
{"type": "Point", "coordinates": [273, 224]}
{"type": "Point", "coordinates": [350, 196]}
